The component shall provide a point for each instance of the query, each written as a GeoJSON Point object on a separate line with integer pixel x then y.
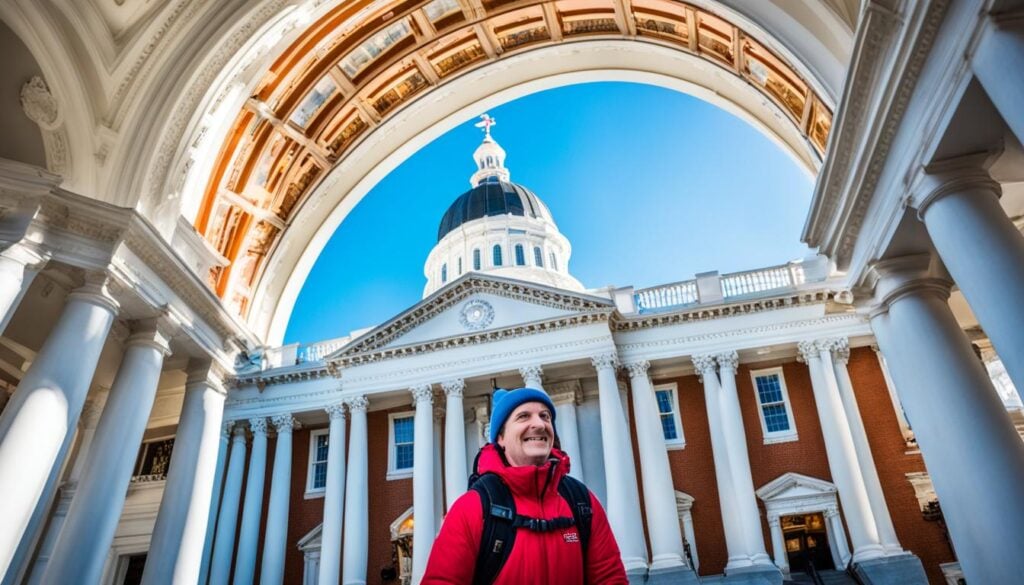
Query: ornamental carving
{"type": "Point", "coordinates": [226, 428]}
{"type": "Point", "coordinates": [238, 433]}
{"type": "Point", "coordinates": [605, 361]}
{"type": "Point", "coordinates": [258, 426]}
{"type": "Point", "coordinates": [705, 363]}
{"type": "Point", "coordinates": [728, 360]}
{"type": "Point", "coordinates": [422, 394]}
{"type": "Point", "coordinates": [39, 104]}
{"type": "Point", "coordinates": [808, 350]}
{"type": "Point", "coordinates": [335, 411]}
{"type": "Point", "coordinates": [454, 388]}
{"type": "Point", "coordinates": [637, 369]}
{"type": "Point", "coordinates": [284, 423]}
{"type": "Point", "coordinates": [534, 372]}
{"type": "Point", "coordinates": [476, 314]}
{"type": "Point", "coordinates": [357, 404]}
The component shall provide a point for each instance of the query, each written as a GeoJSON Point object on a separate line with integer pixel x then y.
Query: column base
{"type": "Point", "coordinates": [636, 575]}
{"type": "Point", "coordinates": [904, 569]}
{"type": "Point", "coordinates": [672, 576]}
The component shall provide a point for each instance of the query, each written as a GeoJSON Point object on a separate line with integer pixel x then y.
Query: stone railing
{"type": "Point", "coordinates": [711, 287]}
{"type": "Point", "coordinates": [316, 352]}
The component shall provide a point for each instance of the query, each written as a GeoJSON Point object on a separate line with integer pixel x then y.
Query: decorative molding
{"type": "Point", "coordinates": [226, 428]}
{"type": "Point", "coordinates": [476, 315]}
{"type": "Point", "coordinates": [284, 423]}
{"type": "Point", "coordinates": [41, 107]}
{"type": "Point", "coordinates": [454, 387]}
{"type": "Point", "coordinates": [238, 432]}
{"type": "Point", "coordinates": [531, 372]}
{"type": "Point", "coordinates": [605, 361]}
{"type": "Point", "coordinates": [704, 363]}
{"type": "Point", "coordinates": [335, 411]}
{"type": "Point", "coordinates": [808, 350]}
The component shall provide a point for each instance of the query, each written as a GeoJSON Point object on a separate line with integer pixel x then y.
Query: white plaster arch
{"type": "Point", "coordinates": [466, 97]}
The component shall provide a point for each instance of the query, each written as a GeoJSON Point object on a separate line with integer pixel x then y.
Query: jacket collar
{"type": "Point", "coordinates": [531, 481]}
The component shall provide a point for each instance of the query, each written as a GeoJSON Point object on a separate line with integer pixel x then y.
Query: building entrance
{"type": "Point", "coordinates": [806, 542]}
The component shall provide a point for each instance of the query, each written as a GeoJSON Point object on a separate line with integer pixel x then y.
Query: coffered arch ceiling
{"type": "Point", "coordinates": [367, 84]}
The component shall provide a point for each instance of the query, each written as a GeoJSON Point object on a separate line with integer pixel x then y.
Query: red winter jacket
{"type": "Point", "coordinates": [541, 558]}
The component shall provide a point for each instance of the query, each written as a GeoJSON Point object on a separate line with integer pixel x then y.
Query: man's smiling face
{"type": "Point", "coordinates": [528, 435]}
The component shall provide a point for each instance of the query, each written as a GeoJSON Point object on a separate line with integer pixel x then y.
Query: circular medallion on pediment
{"type": "Point", "coordinates": [476, 314]}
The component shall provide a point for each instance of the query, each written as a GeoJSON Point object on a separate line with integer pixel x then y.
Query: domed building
{"type": "Point", "coordinates": [498, 227]}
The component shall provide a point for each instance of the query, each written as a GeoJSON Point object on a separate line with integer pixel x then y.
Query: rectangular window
{"type": "Point", "coordinates": [520, 255]}
{"type": "Point", "coordinates": [316, 481]}
{"type": "Point", "coordinates": [554, 262]}
{"type": "Point", "coordinates": [460, 265]}
{"type": "Point", "coordinates": [153, 459]}
{"type": "Point", "coordinates": [538, 257]}
{"type": "Point", "coordinates": [400, 458]}
{"type": "Point", "coordinates": [775, 412]}
{"type": "Point", "coordinates": [668, 409]}
{"type": "Point", "coordinates": [476, 259]}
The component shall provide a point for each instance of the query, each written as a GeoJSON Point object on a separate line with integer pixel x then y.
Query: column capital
{"type": "Point", "coordinates": [605, 361]}
{"type": "Point", "coordinates": [155, 333]}
{"type": "Point", "coordinates": [454, 387]}
{"type": "Point", "coordinates": [203, 374]}
{"type": "Point", "coordinates": [954, 176]}
{"type": "Point", "coordinates": [831, 511]}
{"type": "Point", "coordinates": [728, 360]}
{"type": "Point", "coordinates": [335, 411]}
{"type": "Point", "coordinates": [810, 349]}
{"type": "Point", "coordinates": [422, 393]}
{"type": "Point", "coordinates": [96, 290]}
{"type": "Point", "coordinates": [774, 521]}
{"type": "Point", "coordinates": [569, 397]}
{"type": "Point", "coordinates": [894, 278]}
{"type": "Point", "coordinates": [284, 423]}
{"type": "Point", "coordinates": [840, 348]}
{"type": "Point", "coordinates": [225, 429]}
{"type": "Point", "coordinates": [637, 368]}
{"type": "Point", "coordinates": [238, 432]}
{"type": "Point", "coordinates": [531, 371]}
{"type": "Point", "coordinates": [357, 404]}
{"type": "Point", "coordinates": [258, 426]}
{"type": "Point", "coordinates": [704, 363]}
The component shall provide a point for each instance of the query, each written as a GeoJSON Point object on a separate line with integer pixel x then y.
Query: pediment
{"type": "Point", "coordinates": [477, 305]}
{"type": "Point", "coordinates": [791, 486]}
{"type": "Point", "coordinates": [311, 541]}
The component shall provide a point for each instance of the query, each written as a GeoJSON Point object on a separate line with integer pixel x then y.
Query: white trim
{"type": "Point", "coordinates": [793, 494]}
{"type": "Point", "coordinates": [314, 492]}
{"type": "Point", "coordinates": [679, 442]}
{"type": "Point", "coordinates": [394, 473]}
{"type": "Point", "coordinates": [776, 436]}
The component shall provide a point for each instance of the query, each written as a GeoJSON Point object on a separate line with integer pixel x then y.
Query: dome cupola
{"type": "Point", "coordinates": [498, 227]}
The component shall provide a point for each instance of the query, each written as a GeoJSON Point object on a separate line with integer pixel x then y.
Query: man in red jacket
{"type": "Point", "coordinates": [522, 454]}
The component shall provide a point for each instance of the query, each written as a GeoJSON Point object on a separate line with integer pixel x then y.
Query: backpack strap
{"type": "Point", "coordinates": [578, 497]}
{"type": "Point", "coordinates": [499, 531]}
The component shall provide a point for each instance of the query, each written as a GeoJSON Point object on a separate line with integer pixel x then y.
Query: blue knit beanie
{"type": "Point", "coordinates": [505, 401]}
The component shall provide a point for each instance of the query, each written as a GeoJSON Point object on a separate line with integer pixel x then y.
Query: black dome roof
{"type": "Point", "coordinates": [491, 197]}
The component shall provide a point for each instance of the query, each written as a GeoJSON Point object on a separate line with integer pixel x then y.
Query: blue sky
{"type": "Point", "coordinates": [648, 184]}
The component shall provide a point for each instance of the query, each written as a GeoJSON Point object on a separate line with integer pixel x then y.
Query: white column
{"type": "Point", "coordinates": [532, 376]}
{"type": "Point", "coordinates": [46, 406]}
{"type": "Point", "coordinates": [837, 533]}
{"type": "Point", "coordinates": [973, 454]}
{"type": "Point", "coordinates": [176, 548]}
{"type": "Point", "coordinates": [422, 480]}
{"type": "Point", "coordinates": [996, 63]}
{"type": "Point", "coordinates": [224, 541]}
{"type": "Point", "coordinates": [842, 454]}
{"type": "Point", "coordinates": [252, 509]}
{"type": "Point", "coordinates": [275, 539]}
{"type": "Point", "coordinates": [13, 264]}
{"type": "Point", "coordinates": [357, 522]}
{"type": "Point", "coordinates": [879, 509]}
{"type": "Point", "coordinates": [436, 456]}
{"type": "Point", "coordinates": [778, 544]}
{"type": "Point", "coordinates": [659, 495]}
{"type": "Point", "coordinates": [215, 501]}
{"type": "Point", "coordinates": [735, 543]}
{"type": "Point", "coordinates": [620, 471]}
{"type": "Point", "coordinates": [739, 459]}
{"type": "Point", "coordinates": [81, 548]}
{"type": "Point", "coordinates": [455, 475]}
{"type": "Point", "coordinates": [984, 253]}
{"type": "Point", "coordinates": [568, 431]}
{"type": "Point", "coordinates": [334, 498]}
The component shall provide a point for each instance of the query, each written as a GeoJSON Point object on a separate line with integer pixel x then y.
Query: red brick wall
{"type": "Point", "coordinates": [304, 515]}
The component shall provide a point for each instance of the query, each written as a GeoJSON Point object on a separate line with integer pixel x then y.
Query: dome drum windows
{"type": "Point", "coordinates": [554, 262]}
{"type": "Point", "coordinates": [444, 272]}
{"type": "Point", "coordinates": [520, 255]}
{"type": "Point", "coordinates": [538, 257]}
{"type": "Point", "coordinates": [496, 253]}
{"type": "Point", "coordinates": [476, 259]}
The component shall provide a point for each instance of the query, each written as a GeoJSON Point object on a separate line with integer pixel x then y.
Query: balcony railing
{"type": "Point", "coordinates": [740, 284]}
{"type": "Point", "coordinates": [712, 288]}
{"type": "Point", "coordinates": [676, 294]}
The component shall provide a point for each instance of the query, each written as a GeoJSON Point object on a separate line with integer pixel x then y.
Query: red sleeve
{"type": "Point", "coordinates": [453, 557]}
{"type": "Point", "coordinates": [604, 562]}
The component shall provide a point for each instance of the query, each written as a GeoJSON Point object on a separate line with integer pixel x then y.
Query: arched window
{"type": "Point", "coordinates": [460, 265]}
{"type": "Point", "coordinates": [520, 255]}
{"type": "Point", "coordinates": [554, 262]}
{"type": "Point", "coordinates": [538, 257]}
{"type": "Point", "coordinates": [497, 254]}
{"type": "Point", "coordinates": [444, 273]}
{"type": "Point", "coordinates": [476, 259]}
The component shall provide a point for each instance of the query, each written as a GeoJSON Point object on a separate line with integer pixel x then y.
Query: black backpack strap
{"type": "Point", "coordinates": [499, 532]}
{"type": "Point", "coordinates": [577, 495]}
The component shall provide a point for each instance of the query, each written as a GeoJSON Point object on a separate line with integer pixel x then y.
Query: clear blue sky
{"type": "Point", "coordinates": [650, 186]}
